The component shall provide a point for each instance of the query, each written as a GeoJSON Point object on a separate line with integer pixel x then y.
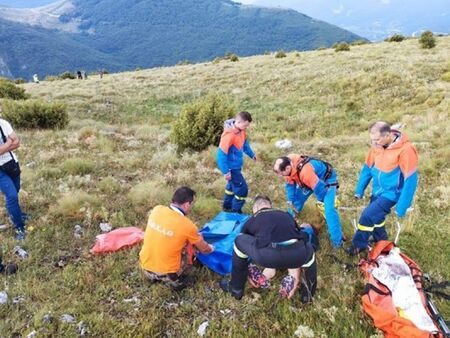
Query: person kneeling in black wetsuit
{"type": "Point", "coordinates": [272, 239]}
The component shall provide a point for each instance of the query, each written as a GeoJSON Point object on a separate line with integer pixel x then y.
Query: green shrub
{"type": "Point", "coordinates": [36, 114]}
{"type": "Point", "coordinates": [446, 76]}
{"type": "Point", "coordinates": [280, 54]}
{"type": "Point", "coordinates": [359, 42]}
{"type": "Point", "coordinates": [8, 90]}
{"type": "Point", "coordinates": [395, 38]}
{"type": "Point", "coordinates": [200, 123]}
{"type": "Point", "coordinates": [67, 75]}
{"type": "Point", "coordinates": [341, 47]}
{"type": "Point", "coordinates": [19, 80]}
{"type": "Point", "coordinates": [427, 40]}
{"type": "Point", "coordinates": [234, 58]}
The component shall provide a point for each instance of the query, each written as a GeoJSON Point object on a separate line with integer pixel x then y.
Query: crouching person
{"type": "Point", "coordinates": [164, 256]}
{"type": "Point", "coordinates": [271, 238]}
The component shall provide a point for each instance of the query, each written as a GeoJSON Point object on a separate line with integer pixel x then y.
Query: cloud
{"type": "Point", "coordinates": [385, 2]}
{"type": "Point", "coordinates": [338, 10]}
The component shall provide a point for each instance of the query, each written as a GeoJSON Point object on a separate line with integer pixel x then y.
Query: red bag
{"type": "Point", "coordinates": [117, 239]}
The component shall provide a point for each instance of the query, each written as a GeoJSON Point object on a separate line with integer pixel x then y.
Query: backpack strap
{"type": "Point", "coordinates": [306, 159]}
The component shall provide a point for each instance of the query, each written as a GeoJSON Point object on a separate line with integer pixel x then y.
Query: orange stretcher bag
{"type": "Point", "coordinates": [378, 303]}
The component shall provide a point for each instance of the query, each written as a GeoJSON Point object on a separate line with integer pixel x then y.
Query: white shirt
{"type": "Point", "coordinates": [7, 130]}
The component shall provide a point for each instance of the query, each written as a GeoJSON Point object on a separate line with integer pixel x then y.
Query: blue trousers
{"type": "Point", "coordinates": [10, 189]}
{"type": "Point", "coordinates": [371, 222]}
{"type": "Point", "coordinates": [331, 214]}
{"type": "Point", "coordinates": [236, 192]}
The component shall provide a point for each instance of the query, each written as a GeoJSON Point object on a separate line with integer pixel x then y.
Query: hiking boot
{"type": "Point", "coordinates": [256, 277]}
{"type": "Point", "coordinates": [183, 282]}
{"type": "Point", "coordinates": [226, 209]}
{"type": "Point", "coordinates": [8, 269]}
{"type": "Point", "coordinates": [287, 286]}
{"type": "Point", "coordinates": [224, 284]}
{"type": "Point", "coordinates": [353, 250]}
{"type": "Point", "coordinates": [20, 235]}
{"type": "Point", "coordinates": [305, 296]}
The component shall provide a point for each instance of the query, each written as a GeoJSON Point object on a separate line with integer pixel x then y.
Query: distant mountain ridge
{"type": "Point", "coordinates": [125, 34]}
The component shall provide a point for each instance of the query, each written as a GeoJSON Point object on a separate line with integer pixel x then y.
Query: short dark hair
{"type": "Point", "coordinates": [245, 116]}
{"type": "Point", "coordinates": [262, 198]}
{"type": "Point", "coordinates": [380, 126]}
{"type": "Point", "coordinates": [285, 161]}
{"type": "Point", "coordinates": [183, 195]}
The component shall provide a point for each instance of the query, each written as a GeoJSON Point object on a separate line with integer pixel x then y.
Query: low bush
{"type": "Point", "coordinates": [20, 80]}
{"type": "Point", "coordinates": [341, 47]}
{"type": "Point", "coordinates": [427, 40]}
{"type": "Point", "coordinates": [200, 123]}
{"type": "Point", "coordinates": [359, 42]}
{"type": "Point", "coordinates": [8, 90]}
{"type": "Point", "coordinates": [395, 38]}
{"type": "Point", "coordinates": [280, 54]}
{"type": "Point", "coordinates": [232, 57]}
{"type": "Point", "coordinates": [67, 75]}
{"type": "Point", "coordinates": [36, 114]}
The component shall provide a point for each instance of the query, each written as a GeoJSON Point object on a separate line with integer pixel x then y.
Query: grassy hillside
{"type": "Point", "coordinates": [115, 162]}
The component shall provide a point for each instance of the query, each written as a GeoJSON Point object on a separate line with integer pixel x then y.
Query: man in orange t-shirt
{"type": "Point", "coordinates": [163, 255]}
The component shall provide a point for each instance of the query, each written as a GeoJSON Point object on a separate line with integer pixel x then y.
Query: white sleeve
{"type": "Point", "coordinates": [6, 127]}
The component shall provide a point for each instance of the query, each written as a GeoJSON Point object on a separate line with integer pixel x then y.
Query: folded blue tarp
{"type": "Point", "coordinates": [221, 232]}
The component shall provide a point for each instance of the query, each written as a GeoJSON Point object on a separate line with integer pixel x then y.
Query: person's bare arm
{"type": "Point", "coordinates": [15, 142]}
{"type": "Point", "coordinates": [204, 247]}
{"type": "Point", "coordinates": [4, 148]}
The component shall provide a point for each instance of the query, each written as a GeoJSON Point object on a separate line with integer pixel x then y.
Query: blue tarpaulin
{"type": "Point", "coordinates": [221, 232]}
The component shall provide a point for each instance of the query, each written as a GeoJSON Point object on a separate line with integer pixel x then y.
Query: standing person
{"type": "Point", "coordinates": [271, 238]}
{"type": "Point", "coordinates": [304, 176]}
{"type": "Point", "coordinates": [10, 177]}
{"type": "Point", "coordinates": [391, 164]}
{"type": "Point", "coordinates": [230, 159]}
{"type": "Point", "coordinates": [164, 255]}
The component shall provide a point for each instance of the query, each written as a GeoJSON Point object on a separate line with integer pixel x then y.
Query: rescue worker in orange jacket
{"type": "Point", "coordinates": [230, 159]}
{"type": "Point", "coordinates": [169, 233]}
{"type": "Point", "coordinates": [391, 165]}
{"type": "Point", "coordinates": [304, 176]}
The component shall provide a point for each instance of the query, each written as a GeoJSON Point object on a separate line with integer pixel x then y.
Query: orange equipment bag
{"type": "Point", "coordinates": [377, 298]}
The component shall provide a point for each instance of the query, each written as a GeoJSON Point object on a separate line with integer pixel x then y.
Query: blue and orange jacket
{"type": "Point", "coordinates": [393, 171]}
{"type": "Point", "coordinates": [233, 145]}
{"type": "Point", "coordinates": [311, 176]}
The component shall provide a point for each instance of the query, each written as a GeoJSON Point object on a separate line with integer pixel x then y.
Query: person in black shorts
{"type": "Point", "coordinates": [271, 238]}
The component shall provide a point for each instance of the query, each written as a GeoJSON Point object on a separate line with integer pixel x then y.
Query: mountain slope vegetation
{"type": "Point", "coordinates": [115, 162]}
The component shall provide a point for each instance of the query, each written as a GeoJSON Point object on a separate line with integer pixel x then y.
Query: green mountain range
{"type": "Point", "coordinates": [125, 34]}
